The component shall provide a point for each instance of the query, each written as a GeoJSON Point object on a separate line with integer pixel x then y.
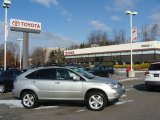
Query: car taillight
{"type": "Point", "coordinates": [146, 73]}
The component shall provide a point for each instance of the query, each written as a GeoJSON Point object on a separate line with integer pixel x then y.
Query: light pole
{"type": "Point", "coordinates": [20, 53]}
{"type": "Point", "coordinates": [6, 4]}
{"type": "Point", "coordinates": [131, 13]}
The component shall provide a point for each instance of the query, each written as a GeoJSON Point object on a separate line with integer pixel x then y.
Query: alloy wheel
{"type": "Point", "coordinates": [2, 88]}
{"type": "Point", "coordinates": [28, 100]}
{"type": "Point", "coordinates": [96, 102]}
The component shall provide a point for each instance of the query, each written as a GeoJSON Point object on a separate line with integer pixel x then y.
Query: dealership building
{"type": "Point", "coordinates": [143, 52]}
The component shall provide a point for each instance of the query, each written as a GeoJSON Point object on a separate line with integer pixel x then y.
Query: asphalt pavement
{"type": "Point", "coordinates": [136, 104]}
{"type": "Point", "coordinates": [121, 75]}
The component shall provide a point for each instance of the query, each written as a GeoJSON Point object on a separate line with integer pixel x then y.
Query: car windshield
{"type": "Point", "coordinates": [83, 73]}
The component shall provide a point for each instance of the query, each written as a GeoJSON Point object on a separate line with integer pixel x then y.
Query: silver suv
{"type": "Point", "coordinates": [152, 79]}
{"type": "Point", "coordinates": [65, 83]}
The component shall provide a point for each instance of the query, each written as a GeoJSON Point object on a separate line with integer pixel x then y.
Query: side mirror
{"type": "Point", "coordinates": [76, 78]}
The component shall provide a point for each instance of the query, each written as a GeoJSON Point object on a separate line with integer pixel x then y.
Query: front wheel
{"type": "Point", "coordinates": [96, 101]}
{"type": "Point", "coordinates": [2, 88]}
{"type": "Point", "coordinates": [29, 100]}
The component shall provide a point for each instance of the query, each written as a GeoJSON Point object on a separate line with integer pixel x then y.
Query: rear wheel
{"type": "Point", "coordinates": [96, 101]}
{"type": "Point", "coordinates": [2, 88]}
{"type": "Point", "coordinates": [29, 100]}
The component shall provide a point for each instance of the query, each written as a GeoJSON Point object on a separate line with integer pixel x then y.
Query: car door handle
{"type": "Point", "coordinates": [57, 82]}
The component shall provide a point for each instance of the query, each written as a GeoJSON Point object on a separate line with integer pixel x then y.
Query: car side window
{"type": "Point", "coordinates": [43, 74]}
{"type": "Point", "coordinates": [64, 74]}
{"type": "Point", "coordinates": [30, 76]}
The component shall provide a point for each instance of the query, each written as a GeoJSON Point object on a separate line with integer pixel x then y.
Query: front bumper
{"type": "Point", "coordinates": [116, 93]}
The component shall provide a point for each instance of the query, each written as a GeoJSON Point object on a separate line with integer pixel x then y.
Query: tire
{"type": "Point", "coordinates": [96, 101]}
{"type": "Point", "coordinates": [29, 100]}
{"type": "Point", "coordinates": [2, 88]}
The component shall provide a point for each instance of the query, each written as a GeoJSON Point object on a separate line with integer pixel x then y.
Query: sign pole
{"type": "Point", "coordinates": [25, 50]}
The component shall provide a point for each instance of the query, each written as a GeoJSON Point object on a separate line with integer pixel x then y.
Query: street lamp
{"type": "Point", "coordinates": [20, 52]}
{"type": "Point", "coordinates": [131, 13]}
{"type": "Point", "coordinates": [6, 4]}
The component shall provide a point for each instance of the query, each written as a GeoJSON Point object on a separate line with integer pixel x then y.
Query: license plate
{"type": "Point", "coordinates": [156, 75]}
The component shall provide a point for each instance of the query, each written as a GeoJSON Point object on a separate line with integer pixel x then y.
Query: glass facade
{"type": "Point", "coordinates": [139, 56]}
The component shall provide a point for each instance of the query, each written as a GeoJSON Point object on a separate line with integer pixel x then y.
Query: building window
{"type": "Point", "coordinates": [99, 55]}
{"type": "Point", "coordinates": [107, 54]}
{"type": "Point", "coordinates": [137, 52]}
{"type": "Point", "coordinates": [125, 53]}
{"type": "Point", "coordinates": [157, 51]}
{"type": "Point", "coordinates": [91, 55]}
{"type": "Point", "coordinates": [114, 54]}
{"type": "Point", "coordinates": [148, 52]}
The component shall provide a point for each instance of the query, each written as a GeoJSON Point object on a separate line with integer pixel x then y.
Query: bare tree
{"type": "Point", "coordinates": [150, 33]}
{"type": "Point", "coordinates": [98, 37]}
{"type": "Point", "coordinates": [73, 47]}
{"type": "Point", "coordinates": [154, 31]}
{"type": "Point", "coordinates": [145, 33]}
{"type": "Point", "coordinates": [11, 54]}
{"type": "Point", "coordinates": [119, 36]}
{"type": "Point", "coordinates": [13, 48]}
{"type": "Point", "coordinates": [56, 56]}
{"type": "Point", "coordinates": [38, 57]}
{"type": "Point", "coordinates": [122, 34]}
{"type": "Point", "coordinates": [1, 54]}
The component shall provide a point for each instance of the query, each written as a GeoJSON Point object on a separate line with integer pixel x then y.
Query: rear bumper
{"type": "Point", "coordinates": [152, 83]}
{"type": "Point", "coordinates": [15, 94]}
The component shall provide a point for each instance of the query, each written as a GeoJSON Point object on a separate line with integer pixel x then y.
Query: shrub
{"type": "Point", "coordinates": [107, 64]}
{"type": "Point", "coordinates": [85, 65]}
{"type": "Point", "coordinates": [135, 66]}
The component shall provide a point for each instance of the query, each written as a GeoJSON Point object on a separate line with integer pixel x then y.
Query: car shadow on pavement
{"type": "Point", "coordinates": [79, 104]}
{"type": "Point", "coordinates": [62, 103]}
{"type": "Point", "coordinates": [142, 87]}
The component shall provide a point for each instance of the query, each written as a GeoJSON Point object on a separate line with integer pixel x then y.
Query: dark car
{"type": "Point", "coordinates": [88, 69]}
{"type": "Point", "coordinates": [102, 71]}
{"type": "Point", "coordinates": [7, 78]}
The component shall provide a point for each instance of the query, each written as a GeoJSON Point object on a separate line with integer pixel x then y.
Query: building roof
{"type": "Point", "coordinates": [115, 48]}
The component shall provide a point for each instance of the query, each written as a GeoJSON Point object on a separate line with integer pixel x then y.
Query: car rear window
{"type": "Point", "coordinates": [154, 67]}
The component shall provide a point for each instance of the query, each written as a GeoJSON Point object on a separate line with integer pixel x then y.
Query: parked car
{"type": "Point", "coordinates": [103, 71]}
{"type": "Point", "coordinates": [152, 76]}
{"type": "Point", "coordinates": [65, 83]}
{"type": "Point", "coordinates": [88, 69]}
{"type": "Point", "coordinates": [6, 80]}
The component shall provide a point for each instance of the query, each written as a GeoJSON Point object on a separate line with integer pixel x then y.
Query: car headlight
{"type": "Point", "coordinates": [113, 85]}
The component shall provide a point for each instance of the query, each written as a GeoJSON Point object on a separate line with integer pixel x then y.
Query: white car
{"type": "Point", "coordinates": [152, 79]}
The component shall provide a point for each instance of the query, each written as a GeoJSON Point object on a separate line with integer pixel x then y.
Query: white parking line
{"type": "Point", "coordinates": [124, 95]}
{"type": "Point", "coordinates": [128, 89]}
{"type": "Point", "coordinates": [123, 102]}
{"type": "Point", "coordinates": [80, 111]}
{"type": "Point", "coordinates": [46, 107]}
